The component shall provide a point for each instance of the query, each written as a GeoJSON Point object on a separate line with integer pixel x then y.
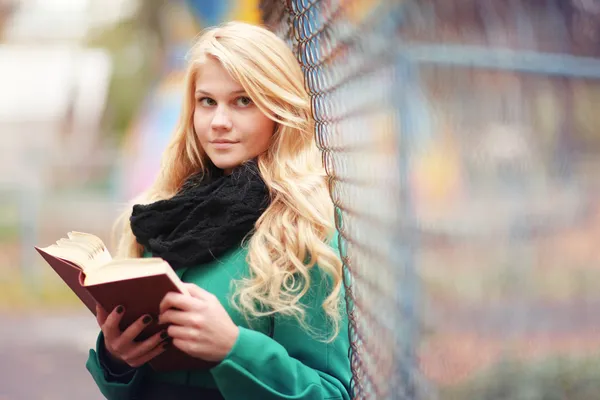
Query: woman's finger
{"type": "Point", "coordinates": [197, 292]}
{"type": "Point", "coordinates": [101, 315]}
{"type": "Point", "coordinates": [182, 332]}
{"type": "Point", "coordinates": [159, 349]}
{"type": "Point", "coordinates": [176, 317]}
{"type": "Point", "coordinates": [184, 345]}
{"type": "Point", "coordinates": [140, 350]}
{"type": "Point", "coordinates": [135, 329]}
{"type": "Point", "coordinates": [110, 327]}
{"type": "Point", "coordinates": [179, 301]}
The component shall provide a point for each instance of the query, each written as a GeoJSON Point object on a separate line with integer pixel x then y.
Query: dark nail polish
{"type": "Point", "coordinates": [164, 335]}
{"type": "Point", "coordinates": [147, 319]}
{"type": "Point", "coordinates": [120, 309]}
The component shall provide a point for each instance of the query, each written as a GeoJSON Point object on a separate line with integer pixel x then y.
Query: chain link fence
{"type": "Point", "coordinates": [460, 138]}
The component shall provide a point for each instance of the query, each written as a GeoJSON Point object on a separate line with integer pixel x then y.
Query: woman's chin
{"type": "Point", "coordinates": [227, 165]}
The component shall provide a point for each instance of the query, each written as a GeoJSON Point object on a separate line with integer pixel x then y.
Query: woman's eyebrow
{"type": "Point", "coordinates": [205, 93]}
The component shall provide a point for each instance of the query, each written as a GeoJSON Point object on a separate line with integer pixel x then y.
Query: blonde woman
{"type": "Point", "coordinates": [241, 211]}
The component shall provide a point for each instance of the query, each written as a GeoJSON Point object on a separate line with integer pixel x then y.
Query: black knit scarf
{"type": "Point", "coordinates": [210, 215]}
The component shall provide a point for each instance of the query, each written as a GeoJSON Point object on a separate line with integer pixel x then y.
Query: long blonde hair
{"type": "Point", "coordinates": [292, 234]}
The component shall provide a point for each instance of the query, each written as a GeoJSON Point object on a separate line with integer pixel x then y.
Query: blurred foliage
{"type": "Point", "coordinates": [137, 49]}
{"type": "Point", "coordinates": [9, 217]}
{"type": "Point", "coordinates": [18, 293]}
{"type": "Point", "coordinates": [555, 378]}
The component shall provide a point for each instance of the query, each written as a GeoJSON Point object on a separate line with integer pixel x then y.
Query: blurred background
{"type": "Point", "coordinates": [461, 138]}
{"type": "Point", "coordinates": [89, 95]}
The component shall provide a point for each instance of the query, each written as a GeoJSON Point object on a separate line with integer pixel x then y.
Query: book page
{"type": "Point", "coordinates": [75, 254]}
{"type": "Point", "coordinates": [85, 250]}
{"type": "Point", "coordinates": [98, 251]}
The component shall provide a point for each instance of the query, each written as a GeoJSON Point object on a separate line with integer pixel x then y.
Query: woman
{"type": "Point", "coordinates": [241, 211]}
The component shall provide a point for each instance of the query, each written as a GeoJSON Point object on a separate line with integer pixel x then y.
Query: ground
{"type": "Point", "coordinates": [43, 357]}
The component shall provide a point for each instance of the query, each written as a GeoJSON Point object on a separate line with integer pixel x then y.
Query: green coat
{"type": "Point", "coordinates": [291, 365]}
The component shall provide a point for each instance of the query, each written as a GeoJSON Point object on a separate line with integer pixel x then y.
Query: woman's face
{"type": "Point", "coordinates": [230, 127]}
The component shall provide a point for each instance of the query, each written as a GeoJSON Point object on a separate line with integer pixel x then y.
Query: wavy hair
{"type": "Point", "coordinates": [291, 236]}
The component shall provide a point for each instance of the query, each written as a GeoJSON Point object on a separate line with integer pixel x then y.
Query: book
{"type": "Point", "coordinates": [85, 265]}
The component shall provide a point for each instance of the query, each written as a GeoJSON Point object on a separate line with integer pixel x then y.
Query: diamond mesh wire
{"type": "Point", "coordinates": [461, 138]}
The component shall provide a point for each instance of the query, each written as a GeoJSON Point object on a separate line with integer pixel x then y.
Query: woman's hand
{"type": "Point", "coordinates": [120, 345]}
{"type": "Point", "coordinates": [199, 325]}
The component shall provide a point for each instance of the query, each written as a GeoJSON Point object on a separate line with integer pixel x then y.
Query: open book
{"type": "Point", "coordinates": [139, 284]}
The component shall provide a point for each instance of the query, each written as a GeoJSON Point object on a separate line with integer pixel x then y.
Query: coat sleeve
{"type": "Point", "coordinates": [294, 364]}
{"type": "Point", "coordinates": [114, 386]}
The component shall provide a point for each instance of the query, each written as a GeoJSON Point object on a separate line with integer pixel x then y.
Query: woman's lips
{"type": "Point", "coordinates": [223, 144]}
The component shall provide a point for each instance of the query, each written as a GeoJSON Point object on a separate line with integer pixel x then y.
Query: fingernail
{"type": "Point", "coordinates": [120, 309]}
{"type": "Point", "coordinates": [147, 319]}
{"type": "Point", "coordinates": [164, 335]}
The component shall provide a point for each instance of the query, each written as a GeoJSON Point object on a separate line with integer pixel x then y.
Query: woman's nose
{"type": "Point", "coordinates": [221, 120]}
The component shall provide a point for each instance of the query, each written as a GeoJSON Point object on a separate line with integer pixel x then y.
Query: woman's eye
{"type": "Point", "coordinates": [243, 101]}
{"type": "Point", "coordinates": [207, 102]}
